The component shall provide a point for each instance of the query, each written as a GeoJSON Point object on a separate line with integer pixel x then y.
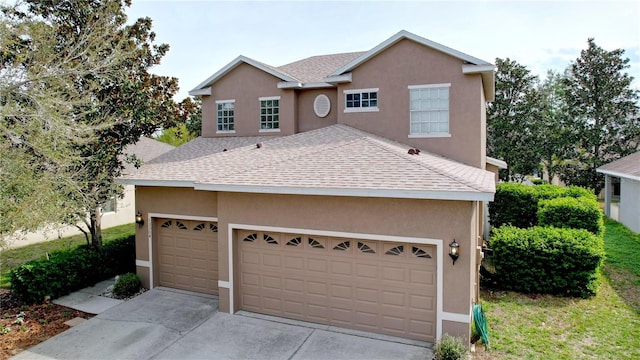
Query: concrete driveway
{"type": "Point", "coordinates": [169, 324]}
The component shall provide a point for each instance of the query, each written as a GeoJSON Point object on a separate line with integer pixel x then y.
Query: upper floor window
{"type": "Point", "coordinates": [226, 116]}
{"type": "Point", "coordinates": [361, 100]}
{"type": "Point", "coordinates": [269, 113]}
{"type": "Point", "coordinates": [429, 108]}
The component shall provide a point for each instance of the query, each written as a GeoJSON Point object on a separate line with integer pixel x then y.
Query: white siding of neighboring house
{"type": "Point", "coordinates": [630, 204]}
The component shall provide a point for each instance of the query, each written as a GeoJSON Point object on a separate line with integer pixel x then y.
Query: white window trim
{"type": "Point", "coordinates": [430, 135]}
{"type": "Point", "coordinates": [262, 98]}
{"type": "Point", "coordinates": [411, 87]}
{"type": "Point", "coordinates": [233, 101]}
{"type": "Point", "coordinates": [360, 109]}
{"type": "Point", "coordinates": [433, 134]}
{"type": "Point", "coordinates": [269, 98]}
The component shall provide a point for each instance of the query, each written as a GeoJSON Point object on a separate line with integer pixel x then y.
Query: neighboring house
{"type": "Point", "coordinates": [627, 171]}
{"type": "Point", "coordinates": [118, 211]}
{"type": "Point", "coordinates": [305, 197]}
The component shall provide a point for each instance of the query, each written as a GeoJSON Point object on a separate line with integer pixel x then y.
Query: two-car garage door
{"type": "Point", "coordinates": [377, 286]}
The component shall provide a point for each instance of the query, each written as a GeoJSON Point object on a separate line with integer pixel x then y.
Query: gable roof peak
{"type": "Point", "coordinates": [241, 59]}
{"type": "Point", "coordinates": [404, 34]}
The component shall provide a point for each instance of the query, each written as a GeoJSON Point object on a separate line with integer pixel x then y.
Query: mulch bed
{"type": "Point", "coordinates": [23, 326]}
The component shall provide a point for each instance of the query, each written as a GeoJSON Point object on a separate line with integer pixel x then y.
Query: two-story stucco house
{"type": "Point", "coordinates": [329, 190]}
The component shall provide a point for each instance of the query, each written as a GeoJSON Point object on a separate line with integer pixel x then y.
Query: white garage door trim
{"type": "Point", "coordinates": [150, 219]}
{"type": "Point", "coordinates": [440, 314]}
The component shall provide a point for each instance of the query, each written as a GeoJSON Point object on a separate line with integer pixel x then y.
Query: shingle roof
{"type": "Point", "coordinates": [316, 68]}
{"type": "Point", "coordinates": [337, 160]}
{"type": "Point", "coordinates": [626, 167]}
{"type": "Point", "coordinates": [146, 149]}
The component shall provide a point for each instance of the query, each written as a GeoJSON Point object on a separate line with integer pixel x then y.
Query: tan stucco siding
{"type": "Point", "coordinates": [246, 84]}
{"type": "Point", "coordinates": [307, 119]}
{"type": "Point", "coordinates": [431, 219]}
{"type": "Point", "coordinates": [407, 63]}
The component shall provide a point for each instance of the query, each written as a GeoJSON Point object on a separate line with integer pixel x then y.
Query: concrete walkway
{"type": "Point", "coordinates": [90, 300]}
{"type": "Point", "coordinates": [170, 324]}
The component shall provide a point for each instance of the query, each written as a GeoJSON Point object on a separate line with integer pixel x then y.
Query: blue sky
{"type": "Point", "coordinates": [206, 35]}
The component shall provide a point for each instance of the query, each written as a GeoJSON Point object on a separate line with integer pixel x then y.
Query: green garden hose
{"type": "Point", "coordinates": [481, 324]}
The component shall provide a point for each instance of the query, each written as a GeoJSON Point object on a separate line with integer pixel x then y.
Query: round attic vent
{"type": "Point", "coordinates": [322, 105]}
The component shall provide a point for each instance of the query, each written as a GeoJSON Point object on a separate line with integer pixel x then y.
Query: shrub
{"type": "Point", "coordinates": [126, 285]}
{"type": "Point", "coordinates": [538, 181]}
{"type": "Point", "coordinates": [72, 270]}
{"type": "Point", "coordinates": [514, 204]}
{"type": "Point", "coordinates": [450, 348]}
{"type": "Point", "coordinates": [547, 260]}
{"type": "Point", "coordinates": [517, 204]}
{"type": "Point", "coordinates": [575, 213]}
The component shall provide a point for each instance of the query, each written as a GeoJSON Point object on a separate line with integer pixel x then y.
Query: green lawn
{"type": "Point", "coordinates": [18, 256]}
{"type": "Point", "coordinates": [606, 326]}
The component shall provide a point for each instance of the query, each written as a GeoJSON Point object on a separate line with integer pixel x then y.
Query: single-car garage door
{"type": "Point", "coordinates": [376, 286]}
{"type": "Point", "coordinates": [187, 255]}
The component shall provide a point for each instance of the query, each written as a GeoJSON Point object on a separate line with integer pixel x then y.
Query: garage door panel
{"type": "Point", "coordinates": [422, 302]}
{"type": "Point", "coordinates": [341, 268]}
{"type": "Point", "coordinates": [318, 265]}
{"type": "Point", "coordinates": [341, 292]}
{"type": "Point", "coordinates": [294, 263]}
{"type": "Point", "coordinates": [367, 285]}
{"type": "Point", "coordinates": [417, 276]}
{"type": "Point", "coordinates": [392, 323]}
{"type": "Point", "coordinates": [187, 255]}
{"type": "Point", "coordinates": [391, 298]}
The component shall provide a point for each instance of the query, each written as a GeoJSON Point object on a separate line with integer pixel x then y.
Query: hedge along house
{"type": "Point", "coordinates": [627, 170]}
{"type": "Point", "coordinates": [329, 190]}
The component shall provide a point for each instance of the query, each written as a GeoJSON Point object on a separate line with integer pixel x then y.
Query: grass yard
{"type": "Point", "coordinates": [606, 326]}
{"type": "Point", "coordinates": [18, 256]}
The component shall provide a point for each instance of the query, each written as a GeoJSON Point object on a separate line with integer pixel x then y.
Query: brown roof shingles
{"type": "Point", "coordinates": [314, 69]}
{"type": "Point", "coordinates": [334, 157]}
{"type": "Point", "coordinates": [628, 166]}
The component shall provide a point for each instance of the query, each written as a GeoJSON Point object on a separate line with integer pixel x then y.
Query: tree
{"type": "Point", "coordinates": [194, 123]}
{"type": "Point", "coordinates": [511, 132]}
{"type": "Point", "coordinates": [554, 139]}
{"type": "Point", "coordinates": [39, 108]}
{"type": "Point", "coordinates": [185, 132]}
{"type": "Point", "coordinates": [126, 103]}
{"type": "Point", "coordinates": [603, 111]}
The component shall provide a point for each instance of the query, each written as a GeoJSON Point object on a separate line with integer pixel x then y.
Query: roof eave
{"type": "Point", "coordinates": [235, 63]}
{"type": "Point", "coordinates": [618, 174]}
{"type": "Point", "coordinates": [501, 164]}
{"type": "Point", "coordinates": [200, 92]}
{"type": "Point", "coordinates": [159, 183]}
{"type": "Point", "coordinates": [407, 35]}
{"type": "Point", "coordinates": [339, 79]}
{"type": "Point", "coordinates": [299, 85]}
{"type": "Point", "coordinates": [487, 72]}
{"type": "Point", "coordinates": [380, 193]}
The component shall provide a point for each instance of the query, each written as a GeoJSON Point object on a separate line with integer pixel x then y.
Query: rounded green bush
{"type": "Point", "coordinates": [126, 285]}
